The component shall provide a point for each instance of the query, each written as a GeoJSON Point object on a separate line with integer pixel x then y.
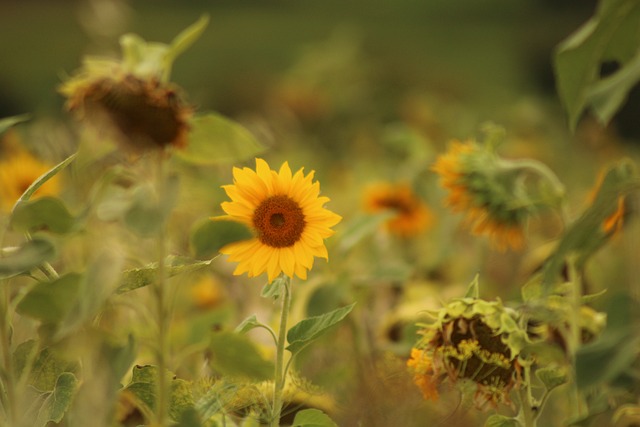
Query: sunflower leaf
{"type": "Point", "coordinates": [44, 178]}
{"type": "Point", "coordinates": [50, 302]}
{"type": "Point", "coordinates": [209, 236]}
{"type": "Point", "coordinates": [59, 400]}
{"type": "Point", "coordinates": [25, 258]}
{"type": "Point", "coordinates": [312, 418]}
{"type": "Point", "coordinates": [274, 289]}
{"type": "Point", "coordinates": [140, 277]}
{"type": "Point", "coordinates": [49, 213]}
{"type": "Point", "coordinates": [9, 122]}
{"type": "Point", "coordinates": [551, 377]}
{"type": "Point", "coordinates": [308, 330]}
{"type": "Point", "coordinates": [214, 139]}
{"type": "Point", "coordinates": [501, 421]}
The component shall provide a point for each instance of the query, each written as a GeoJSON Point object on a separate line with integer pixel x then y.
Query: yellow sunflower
{"type": "Point", "coordinates": [287, 215]}
{"type": "Point", "coordinates": [412, 214]}
{"type": "Point", "coordinates": [17, 173]}
{"type": "Point", "coordinates": [485, 193]}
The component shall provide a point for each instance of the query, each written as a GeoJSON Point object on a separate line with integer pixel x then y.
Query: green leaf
{"type": "Point", "coordinates": [44, 178]}
{"type": "Point", "coordinates": [215, 139]}
{"type": "Point", "coordinates": [25, 258]}
{"type": "Point", "coordinates": [140, 277]}
{"type": "Point", "coordinates": [274, 289]}
{"type": "Point", "coordinates": [307, 330]}
{"type": "Point", "coordinates": [362, 226]}
{"type": "Point", "coordinates": [552, 377]}
{"type": "Point", "coordinates": [235, 355]}
{"type": "Point", "coordinates": [184, 40]}
{"type": "Point", "coordinates": [50, 302]}
{"type": "Point", "coordinates": [312, 418]}
{"type": "Point", "coordinates": [9, 122]}
{"type": "Point", "coordinates": [248, 324]}
{"type": "Point", "coordinates": [47, 213]}
{"type": "Point", "coordinates": [181, 399]}
{"type": "Point", "coordinates": [57, 403]}
{"type": "Point", "coordinates": [149, 210]}
{"type": "Point", "coordinates": [209, 236]}
{"type": "Point", "coordinates": [611, 35]}
{"type": "Point", "coordinates": [614, 352]}
{"type": "Point", "coordinates": [45, 365]}
{"type": "Point", "coordinates": [216, 398]}
{"type": "Point", "coordinates": [586, 235]}
{"type": "Point", "coordinates": [501, 421]}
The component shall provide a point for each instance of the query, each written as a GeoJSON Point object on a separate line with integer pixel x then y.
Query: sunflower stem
{"type": "Point", "coordinates": [162, 406]}
{"type": "Point", "coordinates": [279, 379]}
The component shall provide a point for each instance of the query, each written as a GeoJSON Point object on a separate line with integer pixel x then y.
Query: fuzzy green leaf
{"type": "Point", "coordinates": [274, 289]}
{"type": "Point", "coordinates": [44, 178]}
{"type": "Point", "coordinates": [210, 236]}
{"type": "Point", "coordinates": [312, 418]}
{"type": "Point", "coordinates": [307, 330]}
{"type": "Point", "coordinates": [551, 377]}
{"type": "Point", "coordinates": [50, 302]}
{"type": "Point", "coordinates": [57, 403]}
{"type": "Point", "coordinates": [140, 277]}
{"type": "Point", "coordinates": [611, 35]}
{"type": "Point", "coordinates": [248, 324]}
{"type": "Point", "coordinates": [45, 368]}
{"type": "Point", "coordinates": [25, 258]}
{"type": "Point", "coordinates": [47, 213]}
{"type": "Point", "coordinates": [184, 40]}
{"type": "Point", "coordinates": [149, 210]}
{"type": "Point", "coordinates": [587, 234]}
{"type": "Point", "coordinates": [235, 355]}
{"type": "Point", "coordinates": [215, 139]}
{"type": "Point", "coordinates": [9, 122]}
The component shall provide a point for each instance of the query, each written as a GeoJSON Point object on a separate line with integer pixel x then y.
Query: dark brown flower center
{"type": "Point", "coordinates": [279, 221]}
{"type": "Point", "coordinates": [402, 206]}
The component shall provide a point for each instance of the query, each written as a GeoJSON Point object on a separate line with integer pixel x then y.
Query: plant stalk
{"type": "Point", "coordinates": [279, 380]}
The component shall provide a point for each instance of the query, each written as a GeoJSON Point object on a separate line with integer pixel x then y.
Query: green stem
{"type": "Point", "coordinates": [526, 406]}
{"type": "Point", "coordinates": [9, 396]}
{"type": "Point", "coordinates": [279, 380]}
{"type": "Point", "coordinates": [162, 407]}
{"type": "Point", "coordinates": [574, 331]}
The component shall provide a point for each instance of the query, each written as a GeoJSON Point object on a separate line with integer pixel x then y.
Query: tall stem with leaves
{"type": "Point", "coordinates": [280, 374]}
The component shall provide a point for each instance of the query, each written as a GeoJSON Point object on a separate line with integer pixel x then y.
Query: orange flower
{"type": "Point", "coordinates": [412, 215]}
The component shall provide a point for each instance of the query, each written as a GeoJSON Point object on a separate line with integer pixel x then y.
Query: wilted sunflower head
{"type": "Point", "coordinates": [142, 112]}
{"type": "Point", "coordinates": [471, 340]}
{"type": "Point", "coordinates": [410, 214]}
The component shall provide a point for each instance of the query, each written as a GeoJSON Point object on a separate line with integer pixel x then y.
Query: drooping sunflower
{"type": "Point", "coordinates": [489, 195]}
{"type": "Point", "coordinates": [142, 111]}
{"type": "Point", "coordinates": [412, 216]}
{"type": "Point", "coordinates": [18, 172]}
{"type": "Point", "coordinates": [287, 215]}
{"type": "Point", "coordinates": [471, 340]}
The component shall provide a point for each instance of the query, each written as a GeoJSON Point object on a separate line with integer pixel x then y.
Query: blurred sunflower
{"type": "Point", "coordinates": [145, 112]}
{"type": "Point", "coordinates": [412, 216]}
{"type": "Point", "coordinates": [18, 172]}
{"type": "Point", "coordinates": [287, 215]}
{"type": "Point", "coordinates": [489, 193]}
{"type": "Point", "coordinates": [472, 340]}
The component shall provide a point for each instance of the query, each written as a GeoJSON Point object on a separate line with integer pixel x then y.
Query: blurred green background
{"type": "Point", "coordinates": [487, 53]}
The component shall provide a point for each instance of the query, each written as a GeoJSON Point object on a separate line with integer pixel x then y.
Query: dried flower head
{"type": "Point", "coordinates": [411, 214]}
{"type": "Point", "coordinates": [472, 340]}
{"type": "Point", "coordinates": [145, 112]}
{"type": "Point", "coordinates": [287, 215]}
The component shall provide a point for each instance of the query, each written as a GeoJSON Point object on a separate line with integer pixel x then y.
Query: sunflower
{"type": "Point", "coordinates": [471, 340]}
{"type": "Point", "coordinates": [17, 173]}
{"type": "Point", "coordinates": [487, 193]}
{"type": "Point", "coordinates": [287, 216]}
{"type": "Point", "coordinates": [412, 215]}
{"type": "Point", "coordinates": [144, 112]}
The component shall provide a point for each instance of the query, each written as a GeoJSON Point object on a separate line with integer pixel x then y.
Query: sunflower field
{"type": "Point", "coordinates": [319, 214]}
